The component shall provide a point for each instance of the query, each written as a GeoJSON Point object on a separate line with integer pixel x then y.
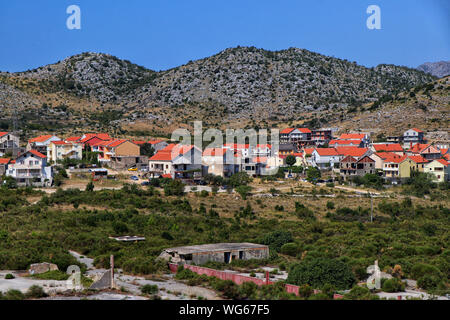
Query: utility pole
{"type": "Point", "coordinates": [371, 207]}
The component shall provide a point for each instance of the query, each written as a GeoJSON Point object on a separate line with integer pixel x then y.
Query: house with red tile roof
{"type": "Point", "coordinates": [114, 150]}
{"type": "Point", "coordinates": [413, 136]}
{"type": "Point", "coordinates": [41, 143]}
{"type": "Point", "coordinates": [350, 166]}
{"type": "Point", "coordinates": [388, 147]}
{"type": "Point", "coordinates": [325, 158]}
{"type": "Point", "coordinates": [60, 150]}
{"type": "Point", "coordinates": [4, 162]}
{"type": "Point", "coordinates": [9, 143]}
{"type": "Point", "coordinates": [72, 139]}
{"type": "Point", "coordinates": [180, 161]}
{"type": "Point", "coordinates": [353, 151]}
{"type": "Point", "coordinates": [222, 162]}
{"type": "Point", "coordinates": [428, 151]}
{"type": "Point", "coordinates": [356, 136]}
{"type": "Point", "coordinates": [419, 162]}
{"type": "Point", "coordinates": [298, 136]}
{"type": "Point", "coordinates": [90, 139]}
{"type": "Point", "coordinates": [397, 168]}
{"type": "Point", "coordinates": [346, 143]}
{"type": "Point", "coordinates": [439, 168]}
{"type": "Point", "coordinates": [31, 169]}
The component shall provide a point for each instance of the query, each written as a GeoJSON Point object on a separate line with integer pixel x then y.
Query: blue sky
{"type": "Point", "coordinates": [161, 34]}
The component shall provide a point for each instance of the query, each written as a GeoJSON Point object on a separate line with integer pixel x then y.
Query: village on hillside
{"type": "Point", "coordinates": [341, 157]}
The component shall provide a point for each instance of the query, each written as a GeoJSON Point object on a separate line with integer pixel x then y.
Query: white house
{"type": "Point", "coordinates": [41, 143]}
{"type": "Point", "coordinates": [413, 136]}
{"type": "Point", "coordinates": [60, 150]}
{"type": "Point", "coordinates": [177, 161]}
{"type": "Point", "coordinates": [325, 158]}
{"type": "Point", "coordinates": [8, 142]}
{"type": "Point", "coordinates": [30, 169]}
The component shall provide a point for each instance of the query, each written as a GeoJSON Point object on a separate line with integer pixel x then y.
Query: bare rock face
{"type": "Point", "coordinates": [438, 69]}
{"type": "Point", "coordinates": [38, 268]}
{"type": "Point", "coordinates": [241, 82]}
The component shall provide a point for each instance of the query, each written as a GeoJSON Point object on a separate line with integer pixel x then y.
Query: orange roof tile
{"type": "Point", "coordinates": [355, 142]}
{"type": "Point", "coordinates": [442, 161]}
{"type": "Point", "coordinates": [287, 130]}
{"type": "Point", "coordinates": [60, 142]}
{"type": "Point", "coordinates": [419, 147]}
{"type": "Point", "coordinates": [352, 151]}
{"type": "Point", "coordinates": [388, 147]}
{"type": "Point", "coordinates": [417, 130]}
{"type": "Point", "coordinates": [40, 138]}
{"type": "Point", "coordinates": [37, 153]}
{"type": "Point", "coordinates": [327, 151]}
{"type": "Point", "coordinates": [352, 136]}
{"type": "Point", "coordinates": [72, 139]}
{"type": "Point", "coordinates": [418, 159]}
{"type": "Point", "coordinates": [304, 130]}
{"type": "Point", "coordinates": [4, 161]}
{"type": "Point", "coordinates": [3, 134]}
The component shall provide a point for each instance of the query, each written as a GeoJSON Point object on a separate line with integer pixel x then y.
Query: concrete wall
{"type": "Point", "coordinates": [247, 254]}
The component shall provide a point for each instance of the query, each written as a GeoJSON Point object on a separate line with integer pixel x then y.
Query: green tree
{"type": "Point", "coordinates": [312, 174]}
{"type": "Point", "coordinates": [290, 160]}
{"type": "Point", "coordinates": [174, 188]}
{"type": "Point", "coordinates": [240, 179]}
{"type": "Point", "coordinates": [147, 150]}
{"type": "Point", "coordinates": [243, 191]}
{"type": "Point", "coordinates": [318, 272]}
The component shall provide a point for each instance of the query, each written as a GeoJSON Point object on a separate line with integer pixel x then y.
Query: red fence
{"type": "Point", "coordinates": [236, 278]}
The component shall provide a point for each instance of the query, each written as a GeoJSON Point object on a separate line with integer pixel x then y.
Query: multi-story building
{"type": "Point", "coordinates": [9, 143]}
{"type": "Point", "coordinates": [60, 150]}
{"type": "Point", "coordinates": [321, 136]}
{"type": "Point", "coordinates": [41, 143]}
{"type": "Point", "coordinates": [439, 168]}
{"type": "Point", "coordinates": [31, 169]}
{"type": "Point", "coordinates": [413, 136]}
{"type": "Point", "coordinates": [177, 161]}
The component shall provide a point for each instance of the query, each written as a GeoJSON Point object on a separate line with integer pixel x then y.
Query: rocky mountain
{"type": "Point", "coordinates": [238, 86]}
{"type": "Point", "coordinates": [425, 106]}
{"type": "Point", "coordinates": [438, 69]}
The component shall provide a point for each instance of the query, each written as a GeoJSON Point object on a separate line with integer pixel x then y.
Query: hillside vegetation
{"type": "Point", "coordinates": [239, 86]}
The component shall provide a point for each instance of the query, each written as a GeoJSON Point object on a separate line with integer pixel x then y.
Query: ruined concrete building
{"type": "Point", "coordinates": [219, 252]}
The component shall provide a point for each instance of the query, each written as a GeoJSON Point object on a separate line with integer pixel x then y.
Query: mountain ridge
{"type": "Point", "coordinates": [238, 86]}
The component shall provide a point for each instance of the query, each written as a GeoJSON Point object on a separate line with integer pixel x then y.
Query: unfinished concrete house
{"type": "Point", "coordinates": [219, 252]}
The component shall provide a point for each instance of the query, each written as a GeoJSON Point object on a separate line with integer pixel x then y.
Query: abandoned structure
{"type": "Point", "coordinates": [219, 252]}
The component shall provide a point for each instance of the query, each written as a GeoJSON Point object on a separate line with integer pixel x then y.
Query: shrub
{"type": "Point", "coordinates": [13, 294]}
{"type": "Point", "coordinates": [243, 191]}
{"type": "Point", "coordinates": [360, 293]}
{"type": "Point", "coordinates": [35, 292]}
{"type": "Point", "coordinates": [392, 285]}
{"type": "Point", "coordinates": [149, 289]}
{"type": "Point", "coordinates": [429, 282]}
{"type": "Point", "coordinates": [291, 249]}
{"type": "Point", "coordinates": [174, 188]}
{"type": "Point", "coordinates": [318, 272]}
{"type": "Point", "coordinates": [276, 239]}
{"type": "Point", "coordinates": [330, 205]}
{"type": "Point", "coordinates": [9, 276]}
{"type": "Point", "coordinates": [421, 269]}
